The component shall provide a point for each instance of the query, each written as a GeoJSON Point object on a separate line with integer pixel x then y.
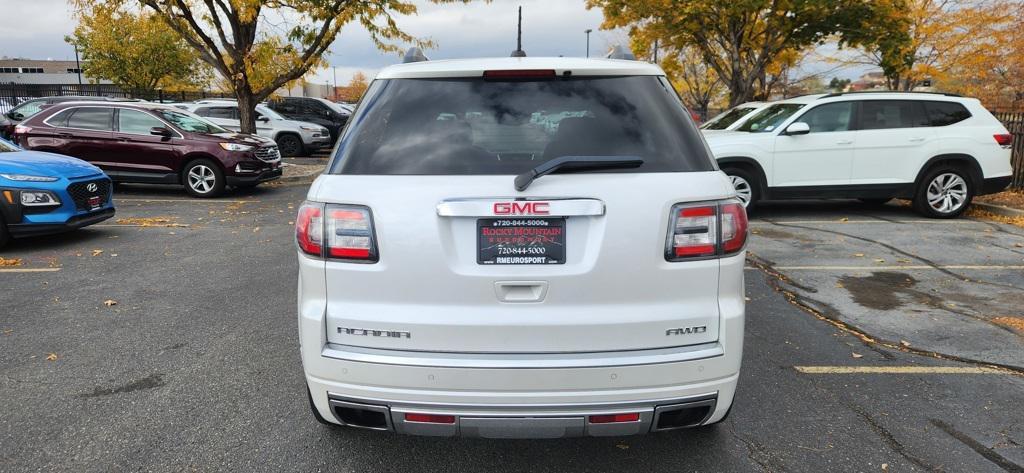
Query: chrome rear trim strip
{"type": "Point", "coordinates": [522, 360]}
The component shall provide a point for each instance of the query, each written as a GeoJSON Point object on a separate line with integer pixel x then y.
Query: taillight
{"type": "Point", "coordinates": [1004, 140]}
{"type": "Point", "coordinates": [333, 231]}
{"type": "Point", "coordinates": [705, 230]}
{"type": "Point", "coordinates": [309, 229]}
{"type": "Point", "coordinates": [22, 129]}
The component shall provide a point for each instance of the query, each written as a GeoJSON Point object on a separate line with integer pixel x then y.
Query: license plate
{"type": "Point", "coordinates": [95, 202]}
{"type": "Point", "coordinates": [520, 241]}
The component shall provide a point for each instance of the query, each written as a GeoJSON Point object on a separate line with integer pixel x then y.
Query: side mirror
{"type": "Point", "coordinates": [160, 131]}
{"type": "Point", "coordinates": [263, 119]}
{"type": "Point", "coordinates": [798, 128]}
{"type": "Point", "coordinates": [16, 116]}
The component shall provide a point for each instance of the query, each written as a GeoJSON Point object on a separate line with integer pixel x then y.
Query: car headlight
{"type": "Point", "coordinates": [29, 178]}
{"type": "Point", "coordinates": [235, 147]}
{"type": "Point", "coordinates": [39, 199]}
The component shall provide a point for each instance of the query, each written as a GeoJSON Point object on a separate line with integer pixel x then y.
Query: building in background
{"type": "Point", "coordinates": [36, 71]}
{"type": "Point", "coordinates": [306, 89]}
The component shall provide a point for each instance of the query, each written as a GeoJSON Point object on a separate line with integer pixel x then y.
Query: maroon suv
{"type": "Point", "coordinates": [141, 142]}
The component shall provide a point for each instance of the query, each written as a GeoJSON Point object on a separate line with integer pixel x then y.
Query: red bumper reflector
{"type": "Point", "coordinates": [430, 418]}
{"type": "Point", "coordinates": [615, 418]}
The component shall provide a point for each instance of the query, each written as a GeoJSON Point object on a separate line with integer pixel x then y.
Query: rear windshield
{"type": "Point", "coordinates": [466, 126]}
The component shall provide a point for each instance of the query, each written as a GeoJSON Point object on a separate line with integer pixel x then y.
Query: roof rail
{"type": "Point", "coordinates": [414, 54]}
{"type": "Point", "coordinates": [858, 92]}
{"type": "Point", "coordinates": [619, 52]}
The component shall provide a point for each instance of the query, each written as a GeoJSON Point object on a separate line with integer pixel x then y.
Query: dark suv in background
{"type": "Point", "coordinates": [151, 143]}
{"type": "Point", "coordinates": [323, 112]}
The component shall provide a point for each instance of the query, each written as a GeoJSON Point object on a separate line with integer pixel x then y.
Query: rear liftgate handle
{"type": "Point", "coordinates": [521, 291]}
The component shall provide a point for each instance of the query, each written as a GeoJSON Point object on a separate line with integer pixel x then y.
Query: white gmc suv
{"type": "Point", "coordinates": [521, 247]}
{"type": "Point", "coordinates": [939, 150]}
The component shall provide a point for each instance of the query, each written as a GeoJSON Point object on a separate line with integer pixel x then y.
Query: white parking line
{"type": "Point", "coordinates": [192, 201]}
{"type": "Point", "coordinates": [29, 270]}
{"type": "Point", "coordinates": [990, 267]}
{"type": "Point", "coordinates": [899, 370]}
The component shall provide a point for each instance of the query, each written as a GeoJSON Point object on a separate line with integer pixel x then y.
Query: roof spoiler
{"type": "Point", "coordinates": [414, 54]}
{"type": "Point", "coordinates": [619, 52]}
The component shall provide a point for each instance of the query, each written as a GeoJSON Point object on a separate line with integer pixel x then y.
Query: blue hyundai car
{"type": "Point", "coordinates": [42, 193]}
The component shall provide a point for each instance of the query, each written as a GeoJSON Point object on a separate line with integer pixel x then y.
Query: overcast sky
{"type": "Point", "coordinates": [550, 28]}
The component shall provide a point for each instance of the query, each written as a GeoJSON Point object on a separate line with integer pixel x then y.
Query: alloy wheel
{"type": "Point", "coordinates": [947, 193]}
{"type": "Point", "coordinates": [201, 179]}
{"type": "Point", "coordinates": [743, 189]}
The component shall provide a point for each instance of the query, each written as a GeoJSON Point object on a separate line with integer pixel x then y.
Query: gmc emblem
{"type": "Point", "coordinates": [522, 208]}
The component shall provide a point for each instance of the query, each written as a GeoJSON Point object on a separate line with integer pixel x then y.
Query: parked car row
{"type": "Point", "coordinates": [293, 137]}
{"type": "Point", "coordinates": [939, 150]}
{"type": "Point", "coordinates": [152, 143]}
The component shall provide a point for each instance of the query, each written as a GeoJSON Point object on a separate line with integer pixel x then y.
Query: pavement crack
{"type": "Point", "coordinates": [776, 280]}
{"type": "Point", "coordinates": [892, 441]}
{"type": "Point", "coordinates": [986, 452]}
{"type": "Point", "coordinates": [894, 249]}
{"type": "Point", "coordinates": [756, 452]}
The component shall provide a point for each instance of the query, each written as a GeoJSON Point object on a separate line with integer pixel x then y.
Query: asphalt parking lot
{"type": "Point", "coordinates": [165, 340]}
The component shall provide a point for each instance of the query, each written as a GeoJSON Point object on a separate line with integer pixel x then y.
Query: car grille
{"type": "Point", "coordinates": [268, 154]}
{"type": "Point", "coordinates": [81, 194]}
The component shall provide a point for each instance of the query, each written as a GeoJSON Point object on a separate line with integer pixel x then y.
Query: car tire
{"type": "Point", "coordinates": [290, 145]}
{"type": "Point", "coordinates": [945, 192]}
{"type": "Point", "coordinates": [875, 202]}
{"type": "Point", "coordinates": [203, 178]}
{"type": "Point", "coordinates": [745, 184]}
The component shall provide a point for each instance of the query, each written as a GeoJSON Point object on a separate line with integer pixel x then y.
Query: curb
{"type": "Point", "coordinates": [303, 174]}
{"type": "Point", "coordinates": [999, 209]}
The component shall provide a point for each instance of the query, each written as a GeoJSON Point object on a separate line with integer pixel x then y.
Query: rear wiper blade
{"type": "Point", "coordinates": [575, 164]}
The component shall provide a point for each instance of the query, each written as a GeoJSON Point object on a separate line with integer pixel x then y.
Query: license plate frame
{"type": "Point", "coordinates": [520, 241]}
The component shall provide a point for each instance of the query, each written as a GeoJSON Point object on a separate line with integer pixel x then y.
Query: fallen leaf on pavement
{"type": "Point", "coordinates": [623, 446]}
{"type": "Point", "coordinates": [858, 355]}
{"type": "Point", "coordinates": [109, 302]}
{"type": "Point", "coordinates": [904, 343]}
{"type": "Point", "coordinates": [844, 219]}
{"type": "Point", "coordinates": [8, 331]}
{"type": "Point", "coordinates": [879, 260]}
{"type": "Point", "coordinates": [859, 255]}
{"type": "Point", "coordinates": [885, 467]}
{"type": "Point", "coordinates": [97, 252]}
{"type": "Point", "coordinates": [51, 357]}
{"type": "Point", "coordinates": [10, 261]}
{"type": "Point", "coordinates": [254, 230]}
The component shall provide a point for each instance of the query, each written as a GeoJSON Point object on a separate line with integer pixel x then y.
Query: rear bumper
{"type": "Point", "coordinates": [20, 230]}
{"type": "Point", "coordinates": [994, 185]}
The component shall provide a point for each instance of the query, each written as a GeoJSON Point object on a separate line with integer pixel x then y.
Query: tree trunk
{"type": "Point", "coordinates": [246, 110]}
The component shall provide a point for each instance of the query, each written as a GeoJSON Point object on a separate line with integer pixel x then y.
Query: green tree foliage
{"type": "Point", "coordinates": [138, 52]}
{"type": "Point", "coordinates": [741, 40]}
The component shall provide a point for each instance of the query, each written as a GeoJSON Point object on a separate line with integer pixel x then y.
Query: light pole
{"type": "Point", "coordinates": [334, 93]}
{"type": "Point", "coordinates": [587, 31]}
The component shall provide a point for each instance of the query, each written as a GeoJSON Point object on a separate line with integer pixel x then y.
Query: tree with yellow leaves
{"type": "Point", "coordinates": [354, 90]}
{"type": "Point", "coordinates": [136, 51]}
{"type": "Point", "coordinates": [258, 46]}
{"type": "Point", "coordinates": [942, 41]}
{"type": "Point", "coordinates": [739, 40]}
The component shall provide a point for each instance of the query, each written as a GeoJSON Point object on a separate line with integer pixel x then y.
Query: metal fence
{"type": "Point", "coordinates": [1014, 122]}
{"type": "Point", "coordinates": [13, 94]}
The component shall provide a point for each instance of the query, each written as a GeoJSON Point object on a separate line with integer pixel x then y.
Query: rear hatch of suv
{"type": "Point", "coordinates": [440, 231]}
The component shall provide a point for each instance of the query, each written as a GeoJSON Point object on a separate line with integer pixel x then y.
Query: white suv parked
{"type": "Point", "coordinates": [293, 137]}
{"type": "Point", "coordinates": [733, 118]}
{"type": "Point", "coordinates": [939, 150]}
{"type": "Point", "coordinates": [521, 247]}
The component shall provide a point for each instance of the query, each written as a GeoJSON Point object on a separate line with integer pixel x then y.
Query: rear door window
{"type": "Point", "coordinates": [830, 117]}
{"type": "Point", "coordinates": [886, 114]}
{"type": "Point", "coordinates": [467, 126]}
{"type": "Point", "coordinates": [945, 113]}
{"type": "Point", "coordinates": [91, 118]}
